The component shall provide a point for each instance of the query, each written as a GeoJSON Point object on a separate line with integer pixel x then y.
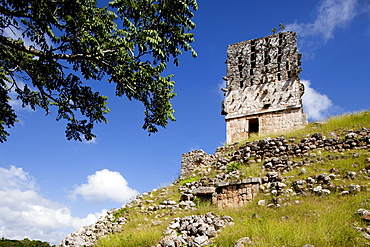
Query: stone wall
{"type": "Point", "coordinates": [196, 159]}
{"type": "Point", "coordinates": [269, 122]}
{"type": "Point", "coordinates": [236, 194]}
{"type": "Point", "coordinates": [227, 193]}
{"type": "Point", "coordinates": [282, 147]}
{"type": "Point", "coordinates": [263, 79]}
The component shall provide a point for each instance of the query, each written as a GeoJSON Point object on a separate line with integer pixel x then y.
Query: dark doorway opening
{"type": "Point", "coordinates": [253, 126]}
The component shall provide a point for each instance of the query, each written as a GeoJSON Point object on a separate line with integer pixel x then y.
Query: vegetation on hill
{"type": "Point", "coordinates": [286, 219]}
{"type": "Point", "coordinates": [22, 243]}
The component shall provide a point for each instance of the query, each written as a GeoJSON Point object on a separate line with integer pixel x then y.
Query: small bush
{"type": "Point", "coordinates": [233, 166]}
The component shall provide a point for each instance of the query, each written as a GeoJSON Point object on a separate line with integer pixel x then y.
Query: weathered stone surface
{"type": "Point", "coordinates": [365, 214]}
{"type": "Point", "coordinates": [194, 230]}
{"type": "Point", "coordinates": [243, 242]}
{"type": "Point", "coordinates": [88, 235]}
{"type": "Point", "coordinates": [195, 160]}
{"type": "Point", "coordinates": [204, 190]}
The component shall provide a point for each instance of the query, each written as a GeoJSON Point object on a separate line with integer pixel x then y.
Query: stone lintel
{"type": "Point", "coordinates": [223, 184]}
{"type": "Point", "coordinates": [203, 190]}
{"type": "Point", "coordinates": [251, 181]}
{"type": "Point", "coordinates": [244, 181]}
{"type": "Point", "coordinates": [251, 114]}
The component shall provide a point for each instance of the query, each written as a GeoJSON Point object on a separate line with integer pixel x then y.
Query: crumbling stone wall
{"type": "Point", "coordinates": [263, 90]}
{"type": "Point", "coordinates": [194, 230]}
{"type": "Point", "coordinates": [196, 159]}
{"type": "Point", "coordinates": [236, 194]}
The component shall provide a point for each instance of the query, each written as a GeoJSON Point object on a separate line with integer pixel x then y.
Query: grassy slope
{"type": "Point", "coordinates": [320, 221]}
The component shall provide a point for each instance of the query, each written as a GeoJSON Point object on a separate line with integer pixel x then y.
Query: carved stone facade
{"type": "Point", "coordinates": [263, 90]}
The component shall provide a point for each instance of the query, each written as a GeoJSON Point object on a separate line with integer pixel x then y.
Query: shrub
{"type": "Point", "coordinates": [233, 166]}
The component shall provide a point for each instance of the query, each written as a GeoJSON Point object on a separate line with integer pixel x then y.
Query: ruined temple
{"type": "Point", "coordinates": [263, 90]}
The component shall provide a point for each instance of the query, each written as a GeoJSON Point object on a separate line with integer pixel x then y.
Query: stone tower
{"type": "Point", "coordinates": [263, 90]}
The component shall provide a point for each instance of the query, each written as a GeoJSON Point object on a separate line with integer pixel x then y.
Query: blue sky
{"type": "Point", "coordinates": [50, 186]}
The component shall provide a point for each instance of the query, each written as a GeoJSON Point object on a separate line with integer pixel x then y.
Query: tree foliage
{"type": "Point", "coordinates": [50, 49]}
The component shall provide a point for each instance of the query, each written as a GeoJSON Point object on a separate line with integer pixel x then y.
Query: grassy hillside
{"type": "Point", "coordinates": [276, 219]}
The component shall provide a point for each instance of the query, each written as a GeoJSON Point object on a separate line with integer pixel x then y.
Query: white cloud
{"type": "Point", "coordinates": [221, 85]}
{"type": "Point", "coordinates": [105, 185]}
{"type": "Point", "coordinates": [92, 141]}
{"type": "Point", "coordinates": [24, 213]}
{"type": "Point", "coordinates": [332, 14]}
{"type": "Point", "coordinates": [315, 104]}
{"type": "Point", "coordinates": [16, 178]}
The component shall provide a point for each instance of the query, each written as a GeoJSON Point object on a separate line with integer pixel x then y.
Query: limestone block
{"type": "Point", "coordinates": [204, 190]}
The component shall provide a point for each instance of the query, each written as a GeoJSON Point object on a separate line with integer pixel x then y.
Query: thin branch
{"type": "Point", "coordinates": [12, 70]}
{"type": "Point", "coordinates": [14, 82]}
{"type": "Point", "coordinates": [30, 50]}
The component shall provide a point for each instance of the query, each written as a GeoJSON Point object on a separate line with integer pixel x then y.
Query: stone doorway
{"type": "Point", "coordinates": [253, 126]}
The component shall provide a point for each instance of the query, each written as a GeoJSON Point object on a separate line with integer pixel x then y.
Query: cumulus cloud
{"type": "Point", "coordinates": [315, 104]}
{"type": "Point", "coordinates": [332, 14]}
{"type": "Point", "coordinates": [105, 185]}
{"type": "Point", "coordinates": [24, 213]}
{"type": "Point", "coordinates": [15, 178]}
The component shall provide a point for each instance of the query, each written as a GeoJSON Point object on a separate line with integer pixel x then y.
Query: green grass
{"type": "Point", "coordinates": [251, 170]}
{"type": "Point", "coordinates": [318, 221]}
{"type": "Point", "coordinates": [347, 121]}
{"type": "Point", "coordinates": [133, 236]}
{"type": "Point", "coordinates": [354, 121]}
{"type": "Point", "coordinates": [189, 180]}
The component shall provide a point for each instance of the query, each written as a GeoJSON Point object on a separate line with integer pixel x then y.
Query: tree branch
{"type": "Point", "coordinates": [30, 50]}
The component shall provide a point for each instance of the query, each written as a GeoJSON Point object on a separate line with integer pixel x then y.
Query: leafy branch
{"type": "Point", "coordinates": [70, 42]}
{"type": "Point", "coordinates": [280, 29]}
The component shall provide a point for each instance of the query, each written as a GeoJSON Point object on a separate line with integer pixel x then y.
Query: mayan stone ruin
{"type": "Point", "coordinates": [263, 90]}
